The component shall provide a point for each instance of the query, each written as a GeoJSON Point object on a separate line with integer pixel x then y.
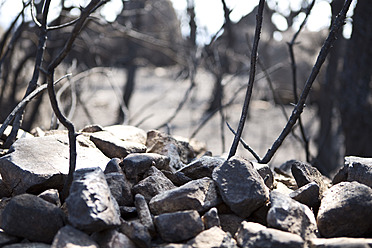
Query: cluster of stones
{"type": "Point", "coordinates": [138, 189]}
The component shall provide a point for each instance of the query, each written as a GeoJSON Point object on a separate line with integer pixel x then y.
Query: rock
{"type": "Point", "coordinates": [31, 217]}
{"type": "Point", "coordinates": [90, 205]}
{"type": "Point", "coordinates": [211, 219]}
{"type": "Point", "coordinates": [135, 165]}
{"type": "Point", "coordinates": [265, 172]}
{"type": "Point", "coordinates": [341, 243]}
{"type": "Point", "coordinates": [37, 164]}
{"type": "Point", "coordinates": [179, 152]}
{"type": "Point", "coordinates": [288, 181]}
{"type": "Point", "coordinates": [144, 213]}
{"type": "Point", "coordinates": [177, 178]}
{"type": "Point", "coordinates": [113, 166]}
{"type": "Point", "coordinates": [120, 188]}
{"type": "Point", "coordinates": [6, 239]}
{"type": "Point", "coordinates": [346, 210]}
{"type": "Point", "coordinates": [254, 235]}
{"type": "Point", "coordinates": [128, 133]}
{"type": "Point", "coordinates": [240, 186]}
{"type": "Point", "coordinates": [260, 215]}
{"type": "Point", "coordinates": [128, 212]}
{"type": "Point", "coordinates": [289, 215]}
{"type": "Point", "coordinates": [153, 185]}
{"type": "Point", "coordinates": [202, 167]}
{"type": "Point", "coordinates": [92, 128]}
{"type": "Point", "coordinates": [4, 190]}
{"type": "Point", "coordinates": [52, 196]}
{"type": "Point", "coordinates": [184, 225]}
{"type": "Point", "coordinates": [305, 173]}
{"type": "Point", "coordinates": [20, 134]}
{"type": "Point", "coordinates": [136, 232]}
{"type": "Point", "coordinates": [282, 188]}
{"type": "Point", "coordinates": [112, 239]}
{"type": "Point", "coordinates": [28, 245]}
{"type": "Point", "coordinates": [114, 147]}
{"type": "Point", "coordinates": [213, 237]}
{"type": "Point", "coordinates": [199, 195]}
{"type": "Point", "coordinates": [308, 195]}
{"type": "Point", "coordinates": [230, 222]}
{"type": "Point", "coordinates": [355, 169]}
{"type": "Point", "coordinates": [69, 236]}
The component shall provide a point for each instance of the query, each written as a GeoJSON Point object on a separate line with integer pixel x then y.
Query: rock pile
{"type": "Point", "coordinates": [138, 189]}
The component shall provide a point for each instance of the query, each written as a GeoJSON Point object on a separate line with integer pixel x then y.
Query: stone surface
{"type": "Point", "coordinates": [31, 217]}
{"type": "Point", "coordinates": [254, 235]}
{"type": "Point", "coordinates": [202, 167]}
{"type": "Point", "coordinates": [28, 245]}
{"type": "Point", "coordinates": [177, 178]}
{"type": "Point", "coordinates": [90, 205]}
{"type": "Point", "coordinates": [113, 147]}
{"type": "Point", "coordinates": [240, 186]}
{"type": "Point", "coordinates": [230, 222]}
{"type": "Point", "coordinates": [265, 172]}
{"type": "Point", "coordinates": [92, 128]}
{"type": "Point", "coordinates": [40, 163]}
{"type": "Point", "coordinates": [308, 195]}
{"type": "Point", "coordinates": [355, 169]}
{"type": "Point", "coordinates": [184, 225]}
{"type": "Point", "coordinates": [52, 196]}
{"type": "Point", "coordinates": [113, 239]}
{"type": "Point", "coordinates": [213, 237]}
{"type": "Point", "coordinates": [152, 185]}
{"type": "Point", "coordinates": [179, 152]}
{"type": "Point", "coordinates": [136, 232]}
{"type": "Point", "coordinates": [113, 166]}
{"type": "Point", "coordinates": [346, 210]}
{"type": "Point", "coordinates": [6, 239]}
{"type": "Point", "coordinates": [199, 195]}
{"type": "Point", "coordinates": [341, 243]}
{"type": "Point", "coordinates": [211, 219]}
{"type": "Point", "coordinates": [120, 188]}
{"type": "Point", "coordinates": [135, 165]}
{"type": "Point", "coordinates": [305, 173]}
{"type": "Point", "coordinates": [289, 215]}
{"type": "Point", "coordinates": [69, 236]}
{"type": "Point", "coordinates": [144, 214]}
{"type": "Point", "coordinates": [128, 133]}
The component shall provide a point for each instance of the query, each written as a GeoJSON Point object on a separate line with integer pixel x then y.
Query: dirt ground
{"type": "Point", "coordinates": [157, 95]}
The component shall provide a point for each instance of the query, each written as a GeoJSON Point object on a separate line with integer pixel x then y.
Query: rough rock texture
{"type": "Point", "coordinates": [266, 173]}
{"type": "Point", "coordinates": [31, 217]}
{"type": "Point", "coordinates": [254, 235]}
{"type": "Point", "coordinates": [308, 195]}
{"type": "Point", "coordinates": [346, 210]}
{"type": "Point", "coordinates": [211, 219]}
{"type": "Point", "coordinates": [46, 162]}
{"type": "Point", "coordinates": [230, 222]}
{"type": "Point", "coordinates": [112, 239]}
{"type": "Point", "coordinates": [120, 188]}
{"type": "Point", "coordinates": [199, 195]}
{"type": "Point", "coordinates": [69, 236]}
{"type": "Point", "coordinates": [128, 133]}
{"type": "Point", "coordinates": [144, 214]}
{"type": "Point", "coordinates": [185, 225]}
{"type": "Point", "coordinates": [52, 196]}
{"type": "Point", "coordinates": [240, 186]}
{"type": "Point", "coordinates": [202, 167]}
{"type": "Point", "coordinates": [355, 169]}
{"type": "Point", "coordinates": [341, 243]}
{"type": "Point", "coordinates": [90, 205]}
{"type": "Point", "coordinates": [289, 215]}
{"type": "Point", "coordinates": [113, 147]}
{"type": "Point", "coordinates": [213, 237]}
{"type": "Point", "coordinates": [136, 232]}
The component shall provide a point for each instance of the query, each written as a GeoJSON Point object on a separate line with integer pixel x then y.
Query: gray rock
{"type": "Point", "coordinates": [52, 196]}
{"type": "Point", "coordinates": [211, 219]}
{"type": "Point", "coordinates": [346, 210]}
{"type": "Point", "coordinates": [240, 186]}
{"type": "Point", "coordinates": [308, 195]}
{"type": "Point", "coordinates": [153, 184]}
{"type": "Point", "coordinates": [128, 212]}
{"type": "Point", "coordinates": [41, 163]}
{"type": "Point", "coordinates": [177, 178]}
{"type": "Point", "coordinates": [114, 147]}
{"type": "Point", "coordinates": [6, 239]}
{"type": "Point", "coordinates": [90, 205]}
{"type": "Point", "coordinates": [289, 215]}
{"type": "Point", "coordinates": [120, 188]}
{"type": "Point", "coordinates": [135, 165]}
{"type": "Point", "coordinates": [305, 173]}
{"type": "Point", "coordinates": [69, 236]}
{"type": "Point", "coordinates": [136, 232]}
{"type": "Point", "coordinates": [202, 167]}
{"type": "Point", "coordinates": [92, 128]}
{"type": "Point", "coordinates": [4, 190]}
{"type": "Point", "coordinates": [341, 243]}
{"type": "Point", "coordinates": [144, 213]}
{"type": "Point", "coordinates": [230, 222]}
{"type": "Point", "coordinates": [355, 169]}
{"type": "Point", "coordinates": [265, 172]}
{"type": "Point", "coordinates": [199, 195]}
{"type": "Point", "coordinates": [113, 239]}
{"type": "Point", "coordinates": [254, 235]}
{"type": "Point", "coordinates": [113, 166]}
{"type": "Point", "coordinates": [179, 152]}
{"type": "Point", "coordinates": [128, 133]}
{"type": "Point", "coordinates": [213, 237]}
{"type": "Point", "coordinates": [31, 217]}
{"type": "Point", "coordinates": [184, 225]}
{"type": "Point", "coordinates": [28, 245]}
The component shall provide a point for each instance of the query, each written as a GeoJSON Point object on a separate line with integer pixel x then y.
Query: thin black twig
{"type": "Point", "coordinates": [339, 22]}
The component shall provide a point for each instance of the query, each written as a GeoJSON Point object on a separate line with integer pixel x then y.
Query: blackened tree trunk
{"type": "Point", "coordinates": [355, 100]}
